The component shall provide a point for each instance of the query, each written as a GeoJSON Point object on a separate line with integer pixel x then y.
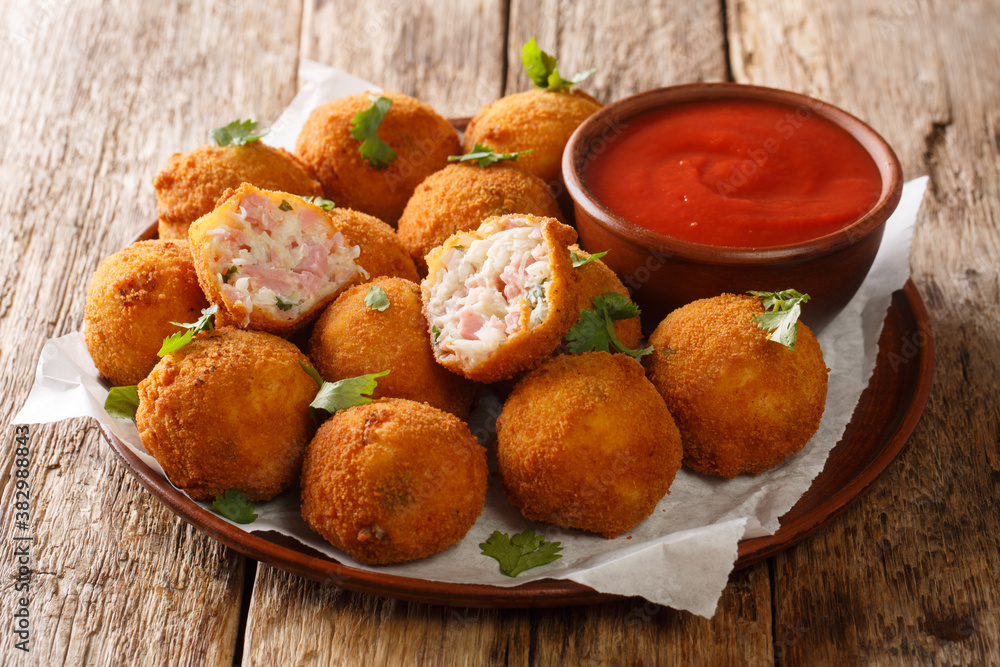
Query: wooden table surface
{"type": "Point", "coordinates": [97, 95]}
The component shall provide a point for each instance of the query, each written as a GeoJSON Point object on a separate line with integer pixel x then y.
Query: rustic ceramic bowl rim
{"type": "Point", "coordinates": [577, 154]}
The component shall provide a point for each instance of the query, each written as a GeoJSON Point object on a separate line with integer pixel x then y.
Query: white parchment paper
{"type": "Point", "coordinates": [681, 556]}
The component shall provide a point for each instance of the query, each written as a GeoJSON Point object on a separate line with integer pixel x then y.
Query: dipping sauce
{"type": "Point", "coordinates": [737, 173]}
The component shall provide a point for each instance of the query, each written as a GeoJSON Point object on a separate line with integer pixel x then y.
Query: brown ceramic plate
{"type": "Point", "coordinates": [886, 415]}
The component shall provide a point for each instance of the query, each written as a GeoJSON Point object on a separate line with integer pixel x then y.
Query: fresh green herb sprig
{"type": "Point", "coordinates": [237, 133]}
{"type": "Point", "coordinates": [122, 402]}
{"type": "Point", "coordinates": [236, 506]}
{"type": "Point", "coordinates": [325, 204]}
{"type": "Point", "coordinates": [579, 260]}
{"type": "Point", "coordinates": [521, 552]}
{"type": "Point", "coordinates": [595, 330]}
{"type": "Point", "coordinates": [176, 341]}
{"type": "Point", "coordinates": [484, 156]}
{"type": "Point", "coordinates": [364, 128]}
{"type": "Point", "coordinates": [376, 298]}
{"type": "Point", "coordinates": [343, 394]}
{"type": "Point", "coordinates": [781, 316]}
{"type": "Point", "coordinates": [543, 70]}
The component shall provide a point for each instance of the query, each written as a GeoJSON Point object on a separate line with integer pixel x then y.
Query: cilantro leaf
{"type": "Point", "coordinates": [364, 128]}
{"type": "Point", "coordinates": [579, 261]}
{"type": "Point", "coordinates": [436, 332]}
{"type": "Point", "coordinates": [285, 206]}
{"type": "Point", "coordinates": [782, 315]}
{"type": "Point", "coordinates": [485, 156]}
{"type": "Point", "coordinates": [176, 341]}
{"type": "Point", "coordinates": [281, 303]}
{"type": "Point", "coordinates": [235, 505]}
{"type": "Point", "coordinates": [346, 393]}
{"type": "Point", "coordinates": [595, 330]}
{"type": "Point", "coordinates": [230, 272]}
{"type": "Point", "coordinates": [237, 133]}
{"type": "Point", "coordinates": [377, 299]}
{"type": "Point", "coordinates": [522, 552]}
{"type": "Point", "coordinates": [122, 402]}
{"type": "Point", "coordinates": [543, 71]}
{"type": "Point", "coordinates": [324, 204]}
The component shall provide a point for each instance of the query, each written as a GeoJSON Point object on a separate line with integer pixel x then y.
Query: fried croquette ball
{"type": "Point", "coordinates": [499, 299]}
{"type": "Point", "coordinates": [460, 196]}
{"type": "Point", "coordinates": [133, 298]}
{"type": "Point", "coordinates": [743, 403]}
{"type": "Point", "coordinates": [393, 481]}
{"type": "Point", "coordinates": [352, 338]}
{"type": "Point", "coordinates": [585, 441]}
{"type": "Point", "coordinates": [271, 261]}
{"type": "Point", "coordinates": [382, 253]}
{"type": "Point", "coordinates": [537, 120]}
{"type": "Point", "coordinates": [420, 137]}
{"type": "Point", "coordinates": [597, 279]}
{"type": "Point", "coordinates": [192, 183]}
{"type": "Point", "coordinates": [228, 410]}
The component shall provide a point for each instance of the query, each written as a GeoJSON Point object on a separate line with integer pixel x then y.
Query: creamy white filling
{"type": "Point", "coordinates": [279, 262]}
{"type": "Point", "coordinates": [488, 291]}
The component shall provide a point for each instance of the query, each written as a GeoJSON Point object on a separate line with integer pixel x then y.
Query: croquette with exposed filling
{"type": "Point", "coordinates": [499, 299]}
{"type": "Point", "coordinates": [743, 403]}
{"type": "Point", "coordinates": [393, 481]}
{"type": "Point", "coordinates": [354, 338]}
{"type": "Point", "coordinates": [228, 410]}
{"type": "Point", "coordinates": [132, 301]}
{"type": "Point", "coordinates": [421, 139]}
{"type": "Point", "coordinates": [585, 441]}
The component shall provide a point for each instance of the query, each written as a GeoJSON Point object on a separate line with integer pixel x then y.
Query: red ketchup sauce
{"type": "Point", "coordinates": [736, 173]}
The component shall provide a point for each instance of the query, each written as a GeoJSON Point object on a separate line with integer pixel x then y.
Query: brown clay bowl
{"type": "Point", "coordinates": [664, 273]}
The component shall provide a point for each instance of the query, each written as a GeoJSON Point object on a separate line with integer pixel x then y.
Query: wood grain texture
{"type": "Point", "coordinates": [909, 573]}
{"type": "Point", "coordinates": [447, 54]}
{"type": "Point", "coordinates": [634, 45]}
{"type": "Point", "coordinates": [97, 96]}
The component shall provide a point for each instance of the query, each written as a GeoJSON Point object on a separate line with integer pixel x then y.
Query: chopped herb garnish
{"type": "Point", "coordinates": [460, 248]}
{"type": "Point", "coordinates": [782, 315]}
{"type": "Point", "coordinates": [230, 272]}
{"type": "Point", "coordinates": [436, 333]}
{"type": "Point", "coordinates": [282, 304]}
{"type": "Point", "coordinates": [595, 330]}
{"type": "Point", "coordinates": [579, 261]}
{"type": "Point", "coordinates": [346, 393]}
{"type": "Point", "coordinates": [522, 552]}
{"type": "Point", "coordinates": [377, 299]}
{"type": "Point", "coordinates": [364, 128]}
{"type": "Point", "coordinates": [237, 133]}
{"type": "Point", "coordinates": [542, 69]}
{"type": "Point", "coordinates": [324, 204]}
{"type": "Point", "coordinates": [285, 206]}
{"type": "Point", "coordinates": [236, 506]}
{"type": "Point", "coordinates": [176, 341]}
{"type": "Point", "coordinates": [536, 294]}
{"type": "Point", "coordinates": [122, 402]}
{"type": "Point", "coordinates": [485, 156]}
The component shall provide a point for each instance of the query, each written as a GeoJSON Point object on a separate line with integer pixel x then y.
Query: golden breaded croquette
{"type": "Point", "coordinates": [537, 120]}
{"type": "Point", "coordinates": [742, 402]}
{"type": "Point", "coordinates": [270, 260]}
{"type": "Point", "coordinates": [133, 298]}
{"type": "Point", "coordinates": [597, 279]}
{"type": "Point", "coordinates": [352, 339]}
{"type": "Point", "coordinates": [228, 410]}
{"type": "Point", "coordinates": [192, 183]}
{"type": "Point", "coordinates": [585, 441]}
{"type": "Point", "coordinates": [420, 137]}
{"type": "Point", "coordinates": [499, 299]}
{"type": "Point", "coordinates": [460, 196]}
{"type": "Point", "coordinates": [393, 481]}
{"type": "Point", "coordinates": [382, 253]}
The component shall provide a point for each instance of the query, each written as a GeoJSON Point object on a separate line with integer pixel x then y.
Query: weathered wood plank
{"type": "Point", "coordinates": [910, 573]}
{"type": "Point", "coordinates": [448, 54]}
{"type": "Point", "coordinates": [96, 97]}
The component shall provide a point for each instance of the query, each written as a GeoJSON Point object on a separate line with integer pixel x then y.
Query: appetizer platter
{"type": "Point", "coordinates": [426, 350]}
